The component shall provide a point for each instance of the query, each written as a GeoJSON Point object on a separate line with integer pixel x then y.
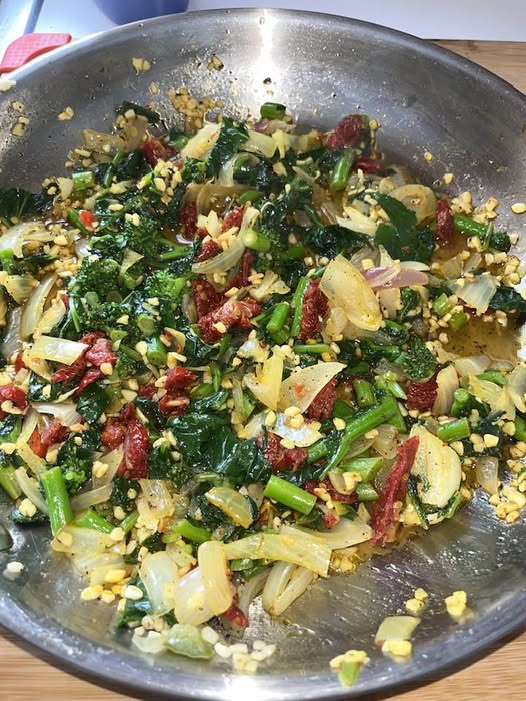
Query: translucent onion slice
{"type": "Point", "coordinates": [438, 467]}
{"type": "Point", "coordinates": [81, 541]}
{"type": "Point", "coordinates": [60, 350]}
{"type": "Point", "coordinates": [447, 382]}
{"type": "Point", "coordinates": [159, 574]}
{"type": "Point", "coordinates": [18, 286]}
{"type": "Point", "coordinates": [253, 428]}
{"type": "Point", "coordinates": [271, 284]}
{"type": "Point", "coordinates": [385, 442]}
{"type": "Point", "coordinates": [418, 198]}
{"type": "Point", "coordinates": [266, 384]}
{"type": "Point", "coordinates": [191, 605]}
{"type": "Point", "coordinates": [307, 434]}
{"type": "Point", "coordinates": [202, 143]}
{"type": "Point", "coordinates": [151, 644]}
{"type": "Point", "coordinates": [396, 628]}
{"type": "Point", "coordinates": [35, 464]}
{"type": "Point", "coordinates": [34, 307]}
{"type": "Point", "coordinates": [11, 342]}
{"type": "Point", "coordinates": [302, 386]}
{"type": "Point", "coordinates": [250, 589]}
{"type": "Point", "coordinates": [472, 365]}
{"type": "Point", "coordinates": [99, 142]}
{"type": "Point", "coordinates": [476, 293]}
{"type": "Point", "coordinates": [15, 237]}
{"type": "Point", "coordinates": [231, 503]}
{"type": "Point", "coordinates": [222, 262]}
{"type": "Point", "coordinates": [52, 316]}
{"type": "Point", "coordinates": [357, 221]}
{"type": "Point", "coordinates": [284, 585]}
{"type": "Point", "coordinates": [260, 143]}
{"type": "Point", "coordinates": [346, 288]}
{"type": "Point", "coordinates": [299, 548]}
{"type": "Point", "coordinates": [128, 259]}
{"type": "Point", "coordinates": [345, 533]}
{"type": "Point", "coordinates": [499, 398]}
{"type": "Point", "coordinates": [214, 573]}
{"type": "Point", "coordinates": [83, 501]}
{"type": "Point", "coordinates": [487, 472]}
{"type": "Point", "coordinates": [31, 488]}
{"type": "Point", "coordinates": [90, 566]}
{"type": "Point", "coordinates": [29, 425]}
{"type": "Point", "coordinates": [65, 412]}
{"type": "Point", "coordinates": [517, 387]}
{"type": "Point", "coordinates": [112, 459]}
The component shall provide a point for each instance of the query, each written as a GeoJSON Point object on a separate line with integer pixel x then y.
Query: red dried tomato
{"type": "Point", "coordinates": [445, 229]}
{"type": "Point", "coordinates": [235, 616]}
{"type": "Point", "coordinates": [147, 391]}
{"type": "Point", "coordinates": [69, 373]}
{"type": "Point", "coordinates": [233, 313]}
{"type": "Point", "coordinates": [233, 218]}
{"type": "Point", "coordinates": [188, 219]}
{"type": "Point", "coordinates": [393, 490]}
{"type": "Point", "coordinates": [113, 434]}
{"type": "Point", "coordinates": [87, 219]}
{"type": "Point", "coordinates": [36, 445]}
{"type": "Point", "coordinates": [314, 306]}
{"type": "Point", "coordinates": [90, 376]}
{"type": "Point", "coordinates": [206, 297]}
{"type": "Point", "coordinates": [136, 448]}
{"type": "Point", "coordinates": [283, 458]}
{"type": "Point", "coordinates": [209, 249]}
{"type": "Point", "coordinates": [179, 378]}
{"type": "Point", "coordinates": [241, 279]}
{"type": "Point", "coordinates": [329, 519]}
{"type": "Point", "coordinates": [154, 150]}
{"type": "Point", "coordinates": [19, 361]}
{"type": "Point", "coordinates": [65, 301]}
{"type": "Point", "coordinates": [127, 413]}
{"type": "Point", "coordinates": [422, 395]}
{"type": "Point", "coordinates": [322, 405]}
{"type": "Point", "coordinates": [368, 165]}
{"type": "Point", "coordinates": [10, 393]}
{"type": "Point", "coordinates": [350, 131]}
{"type": "Point", "coordinates": [335, 494]}
{"type": "Point", "coordinates": [54, 433]}
{"type": "Point", "coordinates": [171, 405]}
{"type": "Point", "coordinates": [91, 337]}
{"type": "Point", "coordinates": [101, 352]}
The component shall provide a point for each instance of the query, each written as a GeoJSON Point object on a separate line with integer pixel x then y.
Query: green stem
{"type": "Point", "coordinates": [520, 428]}
{"type": "Point", "coordinates": [255, 240]}
{"type": "Point", "coordinates": [117, 158]}
{"type": "Point", "coordinates": [367, 468]}
{"type": "Point", "coordinates": [94, 521]}
{"type": "Point", "coordinates": [341, 172]}
{"type": "Point", "coordinates": [494, 376]}
{"type": "Point", "coordinates": [442, 305]}
{"type": "Point", "coordinates": [364, 393]}
{"type": "Point", "coordinates": [191, 532]}
{"type": "Point", "coordinates": [360, 425]}
{"type": "Point", "coordinates": [294, 252]}
{"type": "Point", "coordinates": [289, 495]}
{"type": "Point", "coordinates": [57, 499]}
{"type": "Point", "coordinates": [317, 451]}
{"type": "Point", "coordinates": [461, 399]}
{"type": "Point", "coordinates": [156, 352]}
{"type": "Point", "coordinates": [129, 521]}
{"type": "Point", "coordinates": [466, 225]}
{"type": "Point", "coordinates": [177, 251]}
{"type": "Point", "coordinates": [398, 421]}
{"type": "Point", "coordinates": [83, 180]}
{"type": "Point", "coordinates": [74, 220]}
{"type": "Point", "coordinates": [317, 348]}
{"type": "Point", "coordinates": [454, 430]}
{"type": "Point", "coordinates": [249, 196]}
{"type": "Point", "coordinates": [342, 410]}
{"type": "Point", "coordinates": [366, 492]}
{"type": "Point", "coordinates": [458, 320]}
{"type": "Point", "coordinates": [272, 110]}
{"type": "Point", "coordinates": [297, 305]}
{"type": "Point", "coordinates": [9, 483]}
{"type": "Point", "coordinates": [279, 317]}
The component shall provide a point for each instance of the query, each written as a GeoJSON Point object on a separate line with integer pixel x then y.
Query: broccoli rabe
{"type": "Point", "coordinates": [417, 361]}
{"type": "Point", "coordinates": [193, 171]}
{"type": "Point", "coordinates": [99, 275]}
{"type": "Point", "coordinates": [144, 238]}
{"type": "Point", "coordinates": [164, 284]}
{"type": "Point", "coordinates": [162, 466]}
{"type": "Point", "coordinates": [120, 495]}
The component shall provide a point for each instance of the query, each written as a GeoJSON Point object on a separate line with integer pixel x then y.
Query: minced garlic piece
{"type": "Point", "coordinates": [351, 656]}
{"type": "Point", "coordinates": [398, 649]}
{"type": "Point", "coordinates": [456, 604]}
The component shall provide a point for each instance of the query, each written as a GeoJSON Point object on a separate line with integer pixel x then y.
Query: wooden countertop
{"type": "Point", "coordinates": [24, 677]}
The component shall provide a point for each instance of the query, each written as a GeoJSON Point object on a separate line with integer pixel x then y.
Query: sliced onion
{"type": "Point", "coordinates": [226, 174]}
{"type": "Point", "coordinates": [18, 286]}
{"type": "Point", "coordinates": [83, 541]}
{"type": "Point", "coordinates": [83, 501]}
{"type": "Point", "coordinates": [65, 412]}
{"type": "Point", "coordinates": [472, 365]}
{"type": "Point", "coordinates": [359, 446]}
{"type": "Point", "coordinates": [154, 503]}
{"type": "Point", "coordinates": [253, 427]}
{"type": "Point", "coordinates": [487, 472]}
{"type": "Point", "coordinates": [34, 307]}
{"type": "Point", "coordinates": [476, 293]}
{"type": "Point", "coordinates": [214, 573]}
{"type": "Point", "coordinates": [438, 468]}
{"type": "Point", "coordinates": [385, 442]}
{"type": "Point", "coordinates": [35, 464]}
{"type": "Point", "coordinates": [253, 349]}
{"type": "Point", "coordinates": [159, 574]}
{"type": "Point", "coordinates": [113, 460]}
{"type": "Point", "coordinates": [300, 548]}
{"type": "Point", "coordinates": [270, 126]}
{"type": "Point", "coordinates": [191, 605]}
{"type": "Point", "coordinates": [303, 385]}
{"type": "Point", "coordinates": [31, 488]}
{"type": "Point", "coordinates": [129, 258]}
{"type": "Point", "coordinates": [250, 589]}
{"type": "Point", "coordinates": [52, 316]}
{"type": "Point", "coordinates": [99, 142]}
{"type": "Point", "coordinates": [447, 383]}
{"type": "Point", "coordinates": [284, 585]}
{"type": "Point", "coordinates": [29, 425]}
{"type": "Point", "coordinates": [395, 276]}
{"type": "Point", "coordinates": [266, 384]}
{"type": "Point", "coordinates": [396, 628]}
{"type": "Point", "coordinates": [232, 503]}
{"type": "Point", "coordinates": [202, 143]}
{"type": "Point", "coordinates": [11, 343]}
{"type": "Point", "coordinates": [15, 237]}
{"type": "Point", "coordinates": [357, 221]}
{"type": "Point", "coordinates": [418, 198]}
{"type": "Point", "coordinates": [302, 437]}
{"type": "Point", "coordinates": [92, 566]}
{"type": "Point", "coordinates": [345, 287]}
{"type": "Point", "coordinates": [153, 643]}
{"type": "Point", "coordinates": [60, 350]}
{"type": "Point", "coordinates": [222, 262]}
{"type": "Point", "coordinates": [260, 143]}
{"type": "Point", "coordinates": [345, 533]}
{"type": "Point", "coordinates": [517, 387]}
{"type": "Point", "coordinates": [271, 284]}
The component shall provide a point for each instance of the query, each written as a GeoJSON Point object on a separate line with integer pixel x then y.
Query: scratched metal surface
{"type": "Point", "coordinates": [322, 67]}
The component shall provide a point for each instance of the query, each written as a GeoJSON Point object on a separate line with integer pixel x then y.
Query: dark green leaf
{"type": "Point", "coordinates": [231, 137]}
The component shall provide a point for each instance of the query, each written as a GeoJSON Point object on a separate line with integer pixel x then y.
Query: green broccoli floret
{"type": "Point", "coordinates": [75, 461]}
{"type": "Point", "coordinates": [164, 284]}
{"type": "Point", "coordinates": [145, 238]}
{"type": "Point", "coordinates": [162, 466]}
{"type": "Point", "coordinates": [99, 275]}
{"type": "Point", "coordinates": [417, 361]}
{"type": "Point", "coordinates": [108, 246]}
{"type": "Point", "coordinates": [103, 317]}
{"type": "Point", "coordinates": [193, 171]}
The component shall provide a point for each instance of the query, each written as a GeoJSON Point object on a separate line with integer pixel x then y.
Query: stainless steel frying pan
{"type": "Point", "coordinates": [322, 67]}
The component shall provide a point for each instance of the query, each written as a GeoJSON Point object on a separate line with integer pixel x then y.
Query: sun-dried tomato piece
{"type": "Point", "coordinates": [393, 491]}
{"type": "Point", "coordinates": [315, 306]}
{"type": "Point", "coordinates": [335, 495]}
{"type": "Point", "coordinates": [235, 616]}
{"type": "Point", "coordinates": [54, 433]}
{"type": "Point", "coordinates": [188, 219]}
{"type": "Point", "coordinates": [36, 445]}
{"type": "Point", "coordinates": [329, 519]}
{"type": "Point", "coordinates": [15, 395]}
{"type": "Point", "coordinates": [154, 150]}
{"type": "Point", "coordinates": [101, 352]}
{"type": "Point", "coordinates": [69, 373]}
{"type": "Point", "coordinates": [350, 131]}
{"type": "Point", "coordinates": [127, 413]}
{"type": "Point", "coordinates": [422, 395]}
{"type": "Point", "coordinates": [209, 249]}
{"type": "Point", "coordinates": [369, 165]}
{"type": "Point", "coordinates": [179, 378]}
{"type": "Point", "coordinates": [113, 433]}
{"type": "Point", "coordinates": [322, 405]}
{"type": "Point", "coordinates": [233, 218]}
{"type": "Point", "coordinates": [445, 229]}
{"type": "Point", "coordinates": [174, 405]}
{"type": "Point", "coordinates": [65, 301]}
{"type": "Point", "coordinates": [282, 458]}
{"type": "Point", "coordinates": [136, 448]}
{"type": "Point", "coordinates": [147, 390]}
{"type": "Point", "coordinates": [233, 313]}
{"type": "Point", "coordinates": [241, 279]}
{"type": "Point", "coordinates": [206, 297]}
{"type": "Point", "coordinates": [90, 376]}
{"type": "Point", "coordinates": [87, 219]}
{"type": "Point", "coordinates": [91, 337]}
{"type": "Point", "coordinates": [19, 362]}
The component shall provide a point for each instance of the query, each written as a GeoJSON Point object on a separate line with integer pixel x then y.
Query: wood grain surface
{"type": "Point", "coordinates": [26, 677]}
